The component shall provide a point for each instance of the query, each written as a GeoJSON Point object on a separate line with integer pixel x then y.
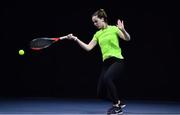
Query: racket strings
{"type": "Point", "coordinates": [40, 43]}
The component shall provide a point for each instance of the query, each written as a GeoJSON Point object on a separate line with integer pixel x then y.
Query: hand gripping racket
{"type": "Point", "coordinates": [44, 42]}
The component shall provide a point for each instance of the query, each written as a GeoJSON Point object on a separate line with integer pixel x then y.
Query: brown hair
{"type": "Point", "coordinates": [101, 14]}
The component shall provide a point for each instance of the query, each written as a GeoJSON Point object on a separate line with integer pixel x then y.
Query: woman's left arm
{"type": "Point", "coordinates": [123, 33]}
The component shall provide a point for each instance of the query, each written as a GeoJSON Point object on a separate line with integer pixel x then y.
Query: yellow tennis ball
{"type": "Point", "coordinates": [21, 52]}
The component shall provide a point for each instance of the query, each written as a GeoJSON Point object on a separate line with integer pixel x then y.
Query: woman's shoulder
{"type": "Point", "coordinates": [112, 26]}
{"type": "Point", "coordinates": [98, 32]}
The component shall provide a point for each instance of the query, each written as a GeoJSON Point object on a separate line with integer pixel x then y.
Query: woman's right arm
{"type": "Point", "coordinates": [83, 45]}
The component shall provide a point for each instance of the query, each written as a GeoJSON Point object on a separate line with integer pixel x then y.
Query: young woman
{"type": "Point", "coordinates": [107, 37]}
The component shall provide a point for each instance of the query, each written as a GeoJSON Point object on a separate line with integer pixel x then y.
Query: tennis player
{"type": "Point", "coordinates": [107, 37]}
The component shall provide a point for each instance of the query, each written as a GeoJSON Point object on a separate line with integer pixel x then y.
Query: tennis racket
{"type": "Point", "coordinates": [44, 42]}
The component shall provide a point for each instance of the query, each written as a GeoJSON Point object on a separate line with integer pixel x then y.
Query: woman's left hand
{"type": "Point", "coordinates": [120, 24]}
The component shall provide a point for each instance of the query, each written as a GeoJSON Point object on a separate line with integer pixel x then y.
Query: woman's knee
{"type": "Point", "coordinates": [108, 80]}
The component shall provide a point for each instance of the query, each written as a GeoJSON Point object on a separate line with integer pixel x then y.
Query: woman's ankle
{"type": "Point", "coordinates": [117, 104]}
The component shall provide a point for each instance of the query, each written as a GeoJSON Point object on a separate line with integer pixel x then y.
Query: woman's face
{"type": "Point", "coordinates": [98, 22]}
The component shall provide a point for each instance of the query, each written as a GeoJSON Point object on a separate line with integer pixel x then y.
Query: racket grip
{"type": "Point", "coordinates": [63, 37]}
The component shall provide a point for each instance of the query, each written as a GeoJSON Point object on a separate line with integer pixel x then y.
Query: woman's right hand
{"type": "Point", "coordinates": [71, 37]}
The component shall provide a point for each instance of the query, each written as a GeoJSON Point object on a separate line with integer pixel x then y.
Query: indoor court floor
{"type": "Point", "coordinates": [44, 106]}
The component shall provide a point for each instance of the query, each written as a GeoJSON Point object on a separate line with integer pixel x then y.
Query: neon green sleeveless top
{"type": "Point", "coordinates": [109, 42]}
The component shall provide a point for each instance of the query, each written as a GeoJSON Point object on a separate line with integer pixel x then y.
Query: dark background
{"type": "Point", "coordinates": [66, 70]}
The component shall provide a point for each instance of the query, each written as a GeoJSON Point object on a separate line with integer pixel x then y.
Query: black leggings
{"type": "Point", "coordinates": [111, 70]}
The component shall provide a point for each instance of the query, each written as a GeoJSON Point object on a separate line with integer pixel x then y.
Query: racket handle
{"type": "Point", "coordinates": [63, 37]}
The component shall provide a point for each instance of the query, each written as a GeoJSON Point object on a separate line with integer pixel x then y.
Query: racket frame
{"type": "Point", "coordinates": [53, 39]}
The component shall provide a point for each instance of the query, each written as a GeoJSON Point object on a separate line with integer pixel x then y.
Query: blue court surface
{"type": "Point", "coordinates": [46, 106]}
